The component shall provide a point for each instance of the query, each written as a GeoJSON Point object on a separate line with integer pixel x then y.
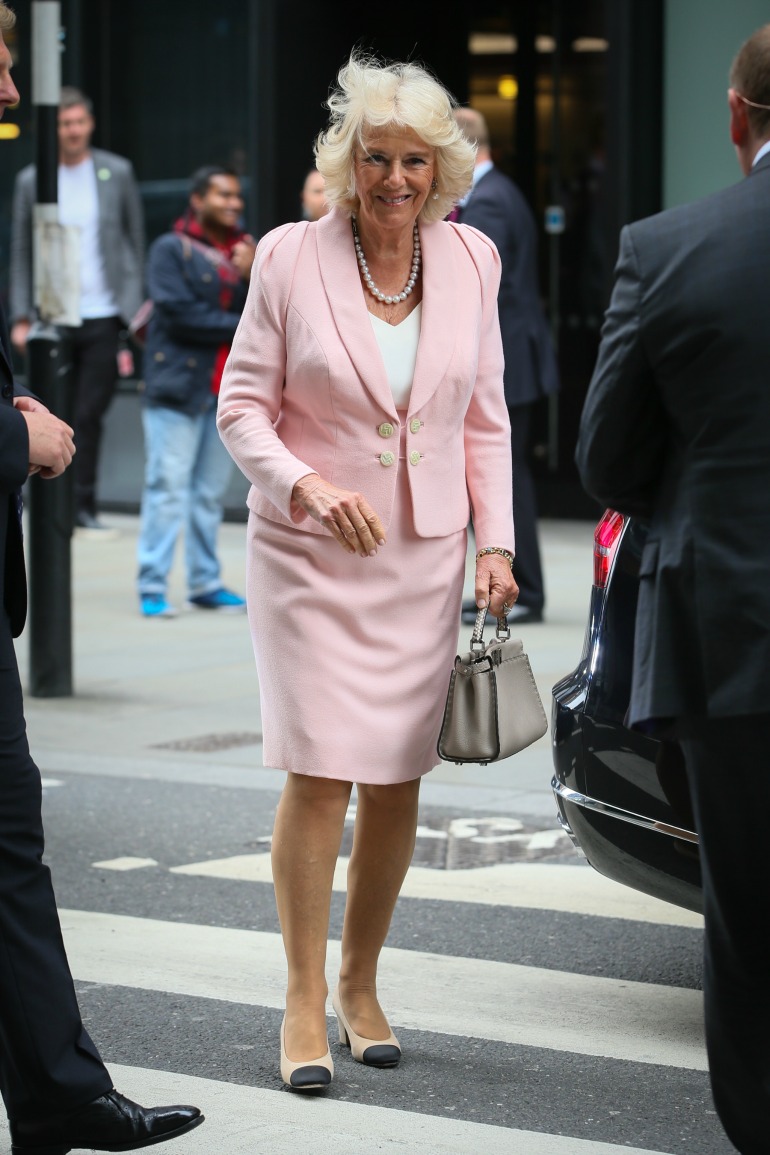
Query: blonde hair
{"type": "Point", "coordinates": [370, 95]}
{"type": "Point", "coordinates": [7, 18]}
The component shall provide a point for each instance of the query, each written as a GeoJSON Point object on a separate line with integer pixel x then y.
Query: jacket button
{"type": "Point", "coordinates": [414, 457]}
{"type": "Point", "coordinates": [160, 356]}
{"type": "Point", "coordinates": [7, 391]}
{"type": "Point", "coordinates": [385, 430]}
{"type": "Point", "coordinates": [191, 363]}
{"type": "Point", "coordinates": [415, 424]}
{"type": "Point", "coordinates": [206, 277]}
{"type": "Point", "coordinates": [387, 459]}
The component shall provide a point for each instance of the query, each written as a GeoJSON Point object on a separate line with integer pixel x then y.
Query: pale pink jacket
{"type": "Point", "coordinates": [305, 390]}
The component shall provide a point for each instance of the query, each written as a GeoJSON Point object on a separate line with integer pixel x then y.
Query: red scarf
{"type": "Point", "coordinates": [221, 257]}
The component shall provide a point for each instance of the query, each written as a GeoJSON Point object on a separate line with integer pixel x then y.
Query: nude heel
{"type": "Point", "coordinates": [307, 1076]}
{"type": "Point", "coordinates": [370, 1052]}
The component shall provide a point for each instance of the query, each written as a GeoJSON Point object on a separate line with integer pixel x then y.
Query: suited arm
{"type": "Point", "coordinates": [14, 449]}
{"type": "Point", "coordinates": [252, 386]}
{"type": "Point", "coordinates": [623, 427]}
{"type": "Point", "coordinates": [189, 318]}
{"type": "Point", "coordinates": [487, 428]}
{"type": "Point", "coordinates": [21, 303]}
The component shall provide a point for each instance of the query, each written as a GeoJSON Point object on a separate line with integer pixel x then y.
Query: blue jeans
{"type": "Point", "coordinates": [187, 472]}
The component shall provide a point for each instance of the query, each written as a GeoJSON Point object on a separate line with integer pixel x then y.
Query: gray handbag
{"type": "Point", "coordinates": [493, 708]}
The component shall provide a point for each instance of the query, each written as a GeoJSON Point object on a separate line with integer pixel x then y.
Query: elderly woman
{"type": "Point", "coordinates": [364, 401]}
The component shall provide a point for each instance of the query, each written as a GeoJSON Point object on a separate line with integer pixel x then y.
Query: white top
{"type": "Point", "coordinates": [398, 346]}
{"type": "Point", "coordinates": [79, 206]}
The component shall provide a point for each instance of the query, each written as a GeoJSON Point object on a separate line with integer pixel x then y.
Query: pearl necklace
{"type": "Point", "coordinates": [367, 276]}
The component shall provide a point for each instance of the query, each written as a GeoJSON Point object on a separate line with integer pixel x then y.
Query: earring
{"type": "Point", "coordinates": [434, 186]}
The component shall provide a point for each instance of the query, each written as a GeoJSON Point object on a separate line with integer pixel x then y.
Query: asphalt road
{"type": "Point", "coordinates": [542, 1010]}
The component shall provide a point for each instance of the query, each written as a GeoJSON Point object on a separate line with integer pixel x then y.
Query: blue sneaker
{"type": "Point", "coordinates": [156, 606]}
{"type": "Point", "coordinates": [223, 600]}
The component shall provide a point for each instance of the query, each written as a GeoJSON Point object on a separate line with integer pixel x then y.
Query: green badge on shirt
{"type": "Point", "coordinates": [104, 174]}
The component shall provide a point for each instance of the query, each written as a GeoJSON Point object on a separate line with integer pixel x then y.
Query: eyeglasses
{"type": "Point", "coordinates": [752, 103]}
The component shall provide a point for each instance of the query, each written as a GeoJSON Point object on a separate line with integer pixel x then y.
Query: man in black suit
{"type": "Point", "coordinates": [676, 430]}
{"type": "Point", "coordinates": [496, 207]}
{"type": "Point", "coordinates": [57, 1092]}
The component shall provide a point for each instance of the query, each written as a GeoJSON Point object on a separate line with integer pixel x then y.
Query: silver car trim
{"type": "Point", "coordinates": [589, 803]}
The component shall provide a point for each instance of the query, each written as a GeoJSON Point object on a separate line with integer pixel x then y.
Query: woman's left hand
{"type": "Point", "coordinates": [495, 584]}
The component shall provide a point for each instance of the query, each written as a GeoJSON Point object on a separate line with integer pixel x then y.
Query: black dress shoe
{"type": "Point", "coordinates": [109, 1123]}
{"type": "Point", "coordinates": [518, 614]}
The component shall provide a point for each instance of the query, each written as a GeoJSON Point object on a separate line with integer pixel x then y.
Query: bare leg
{"type": "Point", "coordinates": [383, 844]}
{"type": "Point", "coordinates": [306, 842]}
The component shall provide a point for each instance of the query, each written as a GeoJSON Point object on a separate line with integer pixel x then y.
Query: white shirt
{"type": "Point", "coordinates": [398, 346]}
{"type": "Point", "coordinates": [79, 207]}
{"type": "Point", "coordinates": [763, 151]}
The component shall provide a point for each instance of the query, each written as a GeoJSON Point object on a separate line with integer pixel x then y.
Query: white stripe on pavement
{"type": "Point", "coordinates": [547, 886]}
{"type": "Point", "coordinates": [638, 1022]}
{"type": "Point", "coordinates": [244, 1120]}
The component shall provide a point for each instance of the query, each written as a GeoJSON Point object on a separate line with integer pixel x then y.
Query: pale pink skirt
{"type": "Point", "coordinates": [354, 654]}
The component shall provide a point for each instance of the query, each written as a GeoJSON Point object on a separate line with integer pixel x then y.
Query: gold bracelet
{"type": "Point", "coordinates": [496, 549]}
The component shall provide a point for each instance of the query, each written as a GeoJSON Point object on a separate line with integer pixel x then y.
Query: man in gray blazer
{"type": "Point", "coordinates": [498, 209]}
{"type": "Point", "coordinates": [676, 430]}
{"type": "Point", "coordinates": [98, 195]}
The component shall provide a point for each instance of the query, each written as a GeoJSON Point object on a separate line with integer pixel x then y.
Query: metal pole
{"type": "Point", "coordinates": [51, 502]}
{"type": "Point", "coordinates": [555, 236]}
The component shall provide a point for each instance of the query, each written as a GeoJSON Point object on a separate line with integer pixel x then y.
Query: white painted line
{"type": "Point", "coordinates": [529, 885]}
{"type": "Point", "coordinates": [48, 783]}
{"type": "Point", "coordinates": [125, 863]}
{"type": "Point", "coordinates": [640, 1022]}
{"type": "Point", "coordinates": [244, 1120]}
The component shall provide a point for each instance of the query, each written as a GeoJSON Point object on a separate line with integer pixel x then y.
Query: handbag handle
{"type": "Point", "coordinates": [502, 630]}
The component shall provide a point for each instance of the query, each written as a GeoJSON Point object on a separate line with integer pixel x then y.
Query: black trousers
{"type": "Point", "coordinates": [93, 347]}
{"type": "Point", "coordinates": [727, 768]}
{"type": "Point", "coordinates": [48, 1063]}
{"type": "Point", "coordinates": [527, 568]}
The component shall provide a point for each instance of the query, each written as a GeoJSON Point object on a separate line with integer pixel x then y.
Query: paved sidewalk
{"type": "Point", "coordinates": [179, 699]}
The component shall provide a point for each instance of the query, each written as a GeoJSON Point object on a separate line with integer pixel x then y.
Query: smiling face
{"type": "Point", "coordinates": [393, 169]}
{"type": "Point", "coordinates": [219, 209]}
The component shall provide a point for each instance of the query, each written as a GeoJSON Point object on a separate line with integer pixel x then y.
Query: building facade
{"type": "Point", "coordinates": [602, 110]}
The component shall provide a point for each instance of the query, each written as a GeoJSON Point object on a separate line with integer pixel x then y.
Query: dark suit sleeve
{"type": "Point", "coordinates": [623, 427]}
{"type": "Point", "coordinates": [14, 449]}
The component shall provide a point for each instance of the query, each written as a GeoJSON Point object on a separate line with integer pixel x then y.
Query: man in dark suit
{"type": "Point", "coordinates": [676, 430]}
{"type": "Point", "coordinates": [57, 1092]}
{"type": "Point", "coordinates": [497, 208]}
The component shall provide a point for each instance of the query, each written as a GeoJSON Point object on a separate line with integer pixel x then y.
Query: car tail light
{"type": "Point", "coordinates": [606, 541]}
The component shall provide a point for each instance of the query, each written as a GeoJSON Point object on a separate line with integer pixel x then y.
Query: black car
{"type": "Point", "coordinates": [622, 795]}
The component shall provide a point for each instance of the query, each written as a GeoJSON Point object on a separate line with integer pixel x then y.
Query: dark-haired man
{"type": "Point", "coordinates": [197, 278]}
{"type": "Point", "coordinates": [98, 196]}
{"type": "Point", "coordinates": [676, 430]}
{"type": "Point", "coordinates": [55, 1087]}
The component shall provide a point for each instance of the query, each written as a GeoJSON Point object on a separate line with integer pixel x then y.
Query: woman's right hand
{"type": "Point", "coordinates": [347, 515]}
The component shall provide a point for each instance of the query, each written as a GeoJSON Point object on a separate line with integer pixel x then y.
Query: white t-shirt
{"type": "Point", "coordinates": [79, 206]}
{"type": "Point", "coordinates": [398, 346]}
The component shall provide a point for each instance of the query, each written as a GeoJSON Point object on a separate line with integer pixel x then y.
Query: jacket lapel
{"type": "Point", "coordinates": [440, 293]}
{"type": "Point", "coordinates": [339, 272]}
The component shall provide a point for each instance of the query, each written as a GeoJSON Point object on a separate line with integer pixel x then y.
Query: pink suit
{"type": "Point", "coordinates": [354, 654]}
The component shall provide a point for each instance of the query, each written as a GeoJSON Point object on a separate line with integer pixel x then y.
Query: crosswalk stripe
{"type": "Point", "coordinates": [242, 1120]}
{"type": "Point", "coordinates": [506, 1002]}
{"type": "Point", "coordinates": [574, 889]}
